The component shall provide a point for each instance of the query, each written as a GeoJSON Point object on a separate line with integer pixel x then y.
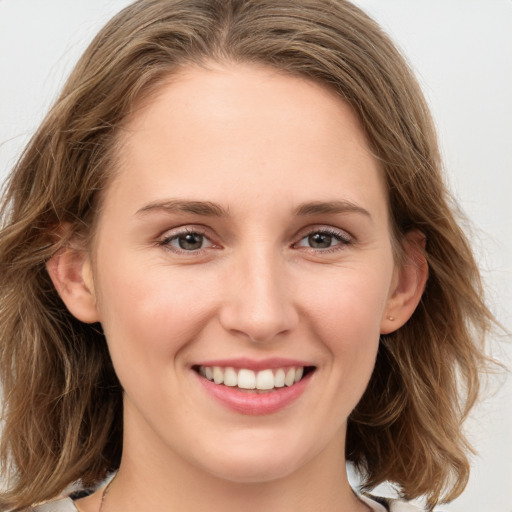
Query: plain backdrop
{"type": "Point", "coordinates": [461, 51]}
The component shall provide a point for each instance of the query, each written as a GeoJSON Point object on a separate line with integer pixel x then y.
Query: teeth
{"type": "Point", "coordinates": [218, 375]}
{"type": "Point", "coordinates": [290, 377]}
{"type": "Point", "coordinates": [230, 378]}
{"type": "Point", "coordinates": [248, 379]}
{"type": "Point", "coordinates": [265, 380]}
{"type": "Point", "coordinates": [279, 378]}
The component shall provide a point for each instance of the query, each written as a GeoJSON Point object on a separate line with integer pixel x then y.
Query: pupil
{"type": "Point", "coordinates": [320, 240]}
{"type": "Point", "coordinates": [191, 241]}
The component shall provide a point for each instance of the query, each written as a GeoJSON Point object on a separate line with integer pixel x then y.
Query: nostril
{"type": "Point", "coordinates": [259, 315]}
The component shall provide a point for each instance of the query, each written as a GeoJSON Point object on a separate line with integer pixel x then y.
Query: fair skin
{"type": "Point", "coordinates": [248, 227]}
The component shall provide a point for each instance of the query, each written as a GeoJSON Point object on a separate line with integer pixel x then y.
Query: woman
{"type": "Point", "coordinates": [229, 265]}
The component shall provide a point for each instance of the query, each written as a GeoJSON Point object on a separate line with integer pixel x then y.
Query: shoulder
{"type": "Point", "coordinates": [403, 506]}
{"type": "Point", "coordinates": [60, 505]}
{"type": "Point", "coordinates": [394, 505]}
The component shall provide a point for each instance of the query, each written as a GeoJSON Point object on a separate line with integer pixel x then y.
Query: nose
{"type": "Point", "coordinates": [259, 304]}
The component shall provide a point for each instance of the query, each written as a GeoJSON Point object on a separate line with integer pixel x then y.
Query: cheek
{"type": "Point", "coordinates": [346, 316]}
{"type": "Point", "coordinates": [149, 313]}
{"type": "Point", "coordinates": [350, 302]}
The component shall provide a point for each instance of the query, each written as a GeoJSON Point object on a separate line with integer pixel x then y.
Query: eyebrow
{"type": "Point", "coordinates": [209, 209]}
{"type": "Point", "coordinates": [330, 207]}
{"type": "Point", "coordinates": [205, 208]}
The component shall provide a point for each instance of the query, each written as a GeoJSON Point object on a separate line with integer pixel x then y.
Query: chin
{"type": "Point", "coordinates": [256, 461]}
{"type": "Point", "coordinates": [254, 471]}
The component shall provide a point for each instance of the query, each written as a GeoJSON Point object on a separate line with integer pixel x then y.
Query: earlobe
{"type": "Point", "coordinates": [409, 283]}
{"type": "Point", "coordinates": [71, 273]}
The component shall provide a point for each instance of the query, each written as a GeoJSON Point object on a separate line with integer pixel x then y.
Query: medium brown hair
{"type": "Point", "coordinates": [62, 400]}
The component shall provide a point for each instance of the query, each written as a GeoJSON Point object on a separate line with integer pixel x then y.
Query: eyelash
{"type": "Point", "coordinates": [342, 237]}
{"type": "Point", "coordinates": [166, 241]}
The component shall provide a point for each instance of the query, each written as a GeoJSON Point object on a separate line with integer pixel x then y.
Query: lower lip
{"type": "Point", "coordinates": [255, 403]}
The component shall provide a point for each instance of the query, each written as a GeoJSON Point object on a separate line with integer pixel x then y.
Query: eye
{"type": "Point", "coordinates": [322, 239]}
{"type": "Point", "coordinates": [187, 241]}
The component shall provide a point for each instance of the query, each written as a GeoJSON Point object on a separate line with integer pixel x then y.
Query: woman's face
{"type": "Point", "coordinates": [245, 236]}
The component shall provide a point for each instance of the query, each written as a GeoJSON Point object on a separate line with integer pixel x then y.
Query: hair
{"type": "Point", "coordinates": [62, 400]}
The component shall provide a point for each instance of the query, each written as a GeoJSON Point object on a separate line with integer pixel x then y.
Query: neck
{"type": "Point", "coordinates": [161, 481]}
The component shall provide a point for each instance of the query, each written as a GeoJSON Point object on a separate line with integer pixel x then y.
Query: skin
{"type": "Point", "coordinates": [259, 144]}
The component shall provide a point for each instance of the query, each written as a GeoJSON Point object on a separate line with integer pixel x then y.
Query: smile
{"type": "Point", "coordinates": [245, 379]}
{"type": "Point", "coordinates": [257, 391]}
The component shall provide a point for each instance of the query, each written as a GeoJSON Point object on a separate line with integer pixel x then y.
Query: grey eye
{"type": "Point", "coordinates": [324, 240]}
{"type": "Point", "coordinates": [320, 240]}
{"type": "Point", "coordinates": [189, 241]}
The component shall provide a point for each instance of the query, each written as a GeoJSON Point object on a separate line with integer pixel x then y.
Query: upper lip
{"type": "Point", "coordinates": [255, 364]}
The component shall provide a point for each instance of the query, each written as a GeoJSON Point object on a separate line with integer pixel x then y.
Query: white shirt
{"type": "Point", "coordinates": [67, 505]}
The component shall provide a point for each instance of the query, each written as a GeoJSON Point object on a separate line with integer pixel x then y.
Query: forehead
{"type": "Point", "coordinates": [254, 94]}
{"type": "Point", "coordinates": [248, 127]}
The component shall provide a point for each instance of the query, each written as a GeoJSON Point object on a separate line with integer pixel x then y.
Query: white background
{"type": "Point", "coordinates": [461, 51]}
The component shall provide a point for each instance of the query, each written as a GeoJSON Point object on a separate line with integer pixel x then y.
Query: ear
{"type": "Point", "coordinates": [71, 273]}
{"type": "Point", "coordinates": [408, 283]}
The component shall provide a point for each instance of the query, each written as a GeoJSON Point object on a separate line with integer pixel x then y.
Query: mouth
{"type": "Point", "coordinates": [263, 381]}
